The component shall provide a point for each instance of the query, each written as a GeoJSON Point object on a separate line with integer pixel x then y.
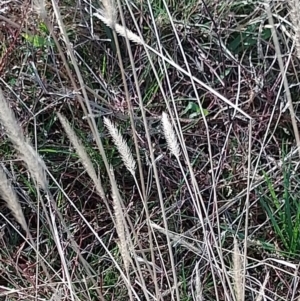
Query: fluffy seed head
{"type": "Point", "coordinates": [119, 28]}
{"type": "Point", "coordinates": [40, 8]}
{"type": "Point", "coordinates": [120, 223]}
{"type": "Point", "coordinates": [9, 196]}
{"type": "Point", "coordinates": [295, 19]}
{"type": "Point", "coordinates": [84, 158]}
{"type": "Point", "coordinates": [121, 145]}
{"type": "Point", "coordinates": [109, 12]}
{"type": "Point", "coordinates": [170, 135]}
{"type": "Point", "coordinates": [34, 162]}
{"type": "Point", "coordinates": [108, 15]}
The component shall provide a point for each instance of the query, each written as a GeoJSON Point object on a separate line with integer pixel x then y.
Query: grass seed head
{"type": "Point", "coordinates": [170, 135]}
{"type": "Point", "coordinates": [10, 197]}
{"type": "Point", "coordinates": [295, 19]}
{"type": "Point", "coordinates": [83, 156]}
{"type": "Point", "coordinates": [40, 8]}
{"type": "Point", "coordinates": [121, 145]}
{"type": "Point", "coordinates": [119, 220]}
{"type": "Point", "coordinates": [13, 130]}
{"type": "Point", "coordinates": [237, 271]}
{"type": "Point", "coordinates": [109, 13]}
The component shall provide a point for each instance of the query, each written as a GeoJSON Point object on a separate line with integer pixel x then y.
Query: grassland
{"type": "Point", "coordinates": [149, 151]}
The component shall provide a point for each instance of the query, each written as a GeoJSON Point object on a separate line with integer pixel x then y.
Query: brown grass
{"type": "Point", "coordinates": [174, 229]}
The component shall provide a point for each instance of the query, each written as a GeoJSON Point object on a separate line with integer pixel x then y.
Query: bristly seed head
{"type": "Point", "coordinates": [34, 162]}
{"type": "Point", "coordinates": [10, 197]}
{"type": "Point", "coordinates": [109, 12]}
{"type": "Point", "coordinates": [121, 145]}
{"type": "Point", "coordinates": [40, 8]}
{"type": "Point", "coordinates": [108, 15]}
{"type": "Point", "coordinates": [170, 136]}
{"type": "Point", "coordinates": [85, 159]}
{"type": "Point", "coordinates": [295, 19]}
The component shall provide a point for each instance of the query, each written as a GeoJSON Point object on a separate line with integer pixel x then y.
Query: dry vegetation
{"type": "Point", "coordinates": [149, 150]}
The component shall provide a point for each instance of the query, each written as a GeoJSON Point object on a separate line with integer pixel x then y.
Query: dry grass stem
{"type": "Point", "coordinates": [83, 156]}
{"type": "Point", "coordinates": [10, 197]}
{"type": "Point", "coordinates": [284, 75]}
{"type": "Point", "coordinates": [170, 136]}
{"type": "Point", "coordinates": [33, 161]}
{"type": "Point", "coordinates": [198, 285]}
{"type": "Point", "coordinates": [121, 145]}
{"type": "Point", "coordinates": [261, 294]}
{"type": "Point", "coordinates": [237, 271]}
{"type": "Point", "coordinates": [179, 239]}
{"type": "Point", "coordinates": [120, 225]}
{"type": "Point", "coordinates": [162, 228]}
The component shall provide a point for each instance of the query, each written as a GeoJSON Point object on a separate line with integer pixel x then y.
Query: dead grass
{"type": "Point", "coordinates": [188, 223]}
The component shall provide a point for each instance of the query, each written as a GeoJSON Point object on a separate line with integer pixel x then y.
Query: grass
{"type": "Point", "coordinates": [282, 209]}
{"type": "Point", "coordinates": [159, 170]}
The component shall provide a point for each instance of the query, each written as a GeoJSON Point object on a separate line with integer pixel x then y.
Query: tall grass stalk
{"type": "Point", "coordinates": [142, 191]}
{"type": "Point", "coordinates": [283, 72]}
{"type": "Point", "coordinates": [85, 103]}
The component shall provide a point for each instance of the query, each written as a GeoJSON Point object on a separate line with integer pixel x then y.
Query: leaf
{"type": "Point", "coordinates": [247, 37]}
{"type": "Point", "coordinates": [36, 41]}
{"type": "Point", "coordinates": [43, 27]}
{"type": "Point", "coordinates": [194, 110]}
